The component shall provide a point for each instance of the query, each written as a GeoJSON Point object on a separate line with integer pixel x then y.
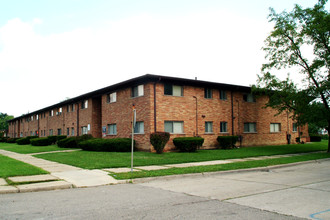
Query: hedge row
{"type": "Point", "coordinates": [227, 142]}
{"type": "Point", "coordinates": [45, 141]}
{"type": "Point", "coordinates": [188, 144]}
{"type": "Point", "coordinates": [72, 142]}
{"type": "Point", "coordinates": [109, 145]}
{"type": "Point", "coordinates": [25, 140]}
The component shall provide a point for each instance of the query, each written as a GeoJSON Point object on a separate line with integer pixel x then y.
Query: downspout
{"type": "Point", "coordinates": [155, 105]}
{"type": "Point", "coordinates": [232, 114]}
{"type": "Point", "coordinates": [196, 116]}
{"type": "Point", "coordinates": [77, 119]}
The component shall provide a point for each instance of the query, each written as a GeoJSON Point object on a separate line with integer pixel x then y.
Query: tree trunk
{"type": "Point", "coordinates": [328, 136]}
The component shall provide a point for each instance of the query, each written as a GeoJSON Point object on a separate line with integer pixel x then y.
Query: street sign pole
{"type": "Point", "coordinates": [133, 125]}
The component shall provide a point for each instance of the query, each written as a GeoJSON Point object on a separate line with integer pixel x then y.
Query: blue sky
{"type": "Point", "coordinates": [55, 49]}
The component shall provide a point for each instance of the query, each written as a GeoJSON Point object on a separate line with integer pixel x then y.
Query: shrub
{"type": "Point", "coordinates": [52, 139]}
{"type": "Point", "coordinates": [159, 140]}
{"type": "Point", "coordinates": [227, 142]}
{"type": "Point", "coordinates": [188, 144]}
{"type": "Point", "coordinates": [70, 142]}
{"type": "Point", "coordinates": [44, 141]}
{"type": "Point", "coordinates": [4, 139]}
{"type": "Point", "coordinates": [12, 140]}
{"type": "Point", "coordinates": [26, 140]}
{"type": "Point", "coordinates": [109, 145]}
{"type": "Point", "coordinates": [315, 138]}
{"type": "Point", "coordinates": [60, 137]}
{"type": "Point", "coordinates": [84, 137]}
{"type": "Point", "coordinates": [325, 137]}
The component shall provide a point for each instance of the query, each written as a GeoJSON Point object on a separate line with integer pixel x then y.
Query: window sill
{"type": "Point", "coordinates": [209, 133]}
{"type": "Point", "coordinates": [111, 134]}
{"type": "Point", "coordinates": [224, 132]}
{"type": "Point", "coordinates": [250, 132]}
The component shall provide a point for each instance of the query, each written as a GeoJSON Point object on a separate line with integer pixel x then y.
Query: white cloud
{"type": "Point", "coordinates": [217, 46]}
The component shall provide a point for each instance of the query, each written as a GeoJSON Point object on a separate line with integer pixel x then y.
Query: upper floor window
{"type": "Point", "coordinates": [173, 90]}
{"type": "Point", "coordinates": [223, 95]}
{"type": "Point", "coordinates": [249, 97]}
{"type": "Point", "coordinates": [208, 93]}
{"type": "Point", "coordinates": [112, 97]}
{"type": "Point", "coordinates": [137, 91]}
{"type": "Point", "coordinates": [84, 104]}
{"type": "Point", "coordinates": [275, 127]}
{"type": "Point", "coordinates": [51, 113]}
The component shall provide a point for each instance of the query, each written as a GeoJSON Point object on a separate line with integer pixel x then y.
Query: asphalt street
{"type": "Point", "coordinates": [294, 192]}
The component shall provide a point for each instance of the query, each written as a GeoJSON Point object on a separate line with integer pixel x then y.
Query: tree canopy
{"type": "Point", "coordinates": [4, 121]}
{"type": "Point", "coordinates": [299, 40]}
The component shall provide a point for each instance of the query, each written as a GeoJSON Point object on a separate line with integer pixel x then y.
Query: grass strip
{"type": "Point", "coordinates": [29, 149]}
{"type": "Point", "coordinates": [11, 167]}
{"type": "Point", "coordinates": [220, 167]}
{"type": "Point", "coordinates": [99, 160]}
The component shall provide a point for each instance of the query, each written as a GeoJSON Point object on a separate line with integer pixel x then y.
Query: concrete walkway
{"type": "Point", "coordinates": [66, 176]}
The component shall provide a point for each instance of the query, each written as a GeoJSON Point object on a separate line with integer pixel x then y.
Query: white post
{"type": "Point", "coordinates": [133, 125]}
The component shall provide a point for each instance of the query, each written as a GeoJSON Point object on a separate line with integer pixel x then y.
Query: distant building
{"type": "Point", "coordinates": [183, 107]}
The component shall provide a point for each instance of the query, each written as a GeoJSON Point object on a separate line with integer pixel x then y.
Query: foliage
{"type": "Point", "coordinates": [109, 145]}
{"type": "Point", "coordinates": [288, 46]}
{"type": "Point", "coordinates": [60, 137]}
{"type": "Point", "coordinates": [3, 139]}
{"type": "Point", "coordinates": [70, 142]}
{"type": "Point", "coordinates": [84, 137]}
{"type": "Point", "coordinates": [188, 144]}
{"type": "Point", "coordinates": [12, 140]}
{"type": "Point", "coordinates": [227, 142]}
{"type": "Point", "coordinates": [52, 139]}
{"type": "Point", "coordinates": [25, 140]}
{"type": "Point", "coordinates": [159, 140]}
{"type": "Point", "coordinates": [43, 141]}
{"type": "Point", "coordinates": [315, 138]}
{"type": "Point", "coordinates": [4, 121]}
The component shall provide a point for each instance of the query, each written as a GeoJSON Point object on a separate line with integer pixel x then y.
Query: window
{"type": "Point", "coordinates": [31, 117]}
{"type": "Point", "coordinates": [275, 127]}
{"type": "Point", "coordinates": [139, 127]}
{"type": "Point", "coordinates": [59, 131]}
{"type": "Point", "coordinates": [294, 127]}
{"type": "Point", "coordinates": [50, 132]}
{"type": "Point", "coordinates": [223, 95]}
{"type": "Point", "coordinates": [112, 129]}
{"type": "Point", "coordinates": [223, 127]}
{"type": "Point", "coordinates": [250, 127]}
{"type": "Point", "coordinates": [208, 93]}
{"type": "Point", "coordinates": [173, 90]}
{"type": "Point", "coordinates": [84, 104]}
{"type": "Point", "coordinates": [68, 131]}
{"type": "Point", "coordinates": [51, 113]}
{"type": "Point", "coordinates": [70, 108]}
{"type": "Point", "coordinates": [175, 127]}
{"type": "Point", "coordinates": [208, 127]}
{"type": "Point", "coordinates": [37, 117]}
{"type": "Point", "coordinates": [84, 130]}
{"type": "Point", "coordinates": [112, 97]}
{"type": "Point", "coordinates": [137, 91]}
{"type": "Point", "coordinates": [72, 131]}
{"type": "Point", "coordinates": [249, 98]}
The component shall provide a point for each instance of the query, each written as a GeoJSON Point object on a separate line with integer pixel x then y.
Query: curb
{"type": "Point", "coordinates": [36, 187]}
{"type": "Point", "coordinates": [257, 169]}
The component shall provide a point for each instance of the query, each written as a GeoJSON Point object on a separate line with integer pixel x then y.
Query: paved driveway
{"type": "Point", "coordinates": [301, 191]}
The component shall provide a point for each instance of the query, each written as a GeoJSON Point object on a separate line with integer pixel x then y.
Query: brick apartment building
{"type": "Point", "coordinates": [182, 107]}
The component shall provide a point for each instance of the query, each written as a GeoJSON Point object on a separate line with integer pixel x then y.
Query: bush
{"type": "Point", "coordinates": [26, 140]}
{"type": "Point", "coordinates": [84, 137]}
{"type": "Point", "coordinates": [227, 142]}
{"type": "Point", "coordinates": [188, 144]}
{"type": "Point", "coordinates": [70, 142]}
{"type": "Point", "coordinates": [60, 137]}
{"type": "Point", "coordinates": [109, 145]}
{"type": "Point", "coordinates": [315, 138]}
{"type": "Point", "coordinates": [12, 140]}
{"type": "Point", "coordinates": [52, 139]}
{"type": "Point", "coordinates": [325, 137]}
{"type": "Point", "coordinates": [44, 141]}
{"type": "Point", "coordinates": [4, 139]}
{"type": "Point", "coordinates": [159, 140]}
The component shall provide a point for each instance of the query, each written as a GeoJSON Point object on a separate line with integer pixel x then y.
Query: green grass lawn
{"type": "Point", "coordinates": [97, 160]}
{"type": "Point", "coordinates": [11, 167]}
{"type": "Point", "coordinates": [220, 167]}
{"type": "Point", "coordinates": [29, 149]}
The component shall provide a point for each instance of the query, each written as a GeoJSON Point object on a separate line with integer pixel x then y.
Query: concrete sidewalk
{"type": "Point", "coordinates": [65, 176]}
{"type": "Point", "coordinates": [61, 176]}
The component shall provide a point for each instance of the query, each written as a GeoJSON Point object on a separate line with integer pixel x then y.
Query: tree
{"type": "Point", "coordinates": [287, 47]}
{"type": "Point", "coordinates": [4, 121]}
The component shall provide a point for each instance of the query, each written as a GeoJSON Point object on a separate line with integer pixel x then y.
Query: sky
{"type": "Point", "coordinates": [52, 50]}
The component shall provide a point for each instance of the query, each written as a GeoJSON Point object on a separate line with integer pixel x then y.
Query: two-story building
{"type": "Point", "coordinates": [183, 107]}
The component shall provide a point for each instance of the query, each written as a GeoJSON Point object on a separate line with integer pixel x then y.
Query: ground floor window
{"type": "Point", "coordinates": [175, 127]}
{"type": "Point", "coordinates": [223, 127]}
{"type": "Point", "coordinates": [67, 131]}
{"type": "Point", "coordinates": [112, 129]}
{"type": "Point", "coordinates": [59, 131]}
{"type": "Point", "coordinates": [275, 127]}
{"type": "Point", "coordinates": [50, 132]}
{"type": "Point", "coordinates": [139, 127]}
{"type": "Point", "coordinates": [250, 127]}
{"type": "Point", "coordinates": [72, 131]}
{"type": "Point", "coordinates": [84, 130]}
{"type": "Point", "coordinates": [208, 127]}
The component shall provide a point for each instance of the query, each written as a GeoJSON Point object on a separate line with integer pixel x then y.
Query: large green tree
{"type": "Point", "coordinates": [299, 42]}
{"type": "Point", "coordinates": [4, 121]}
